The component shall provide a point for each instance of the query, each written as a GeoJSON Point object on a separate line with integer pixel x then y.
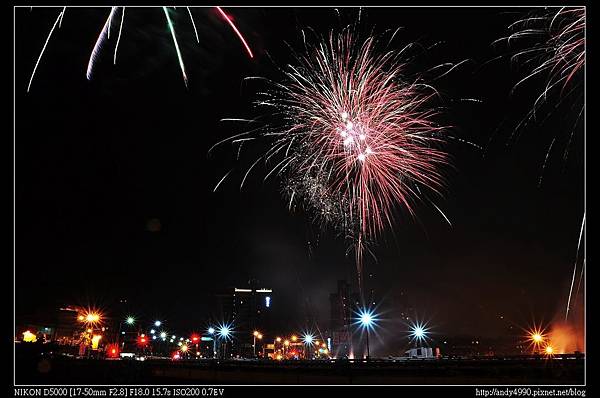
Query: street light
{"type": "Point", "coordinates": [92, 317]}
{"type": "Point", "coordinates": [157, 323]}
{"type": "Point", "coordinates": [419, 332]}
{"type": "Point", "coordinates": [184, 349]}
{"type": "Point", "coordinates": [224, 333]}
{"type": "Point", "coordinates": [130, 320]}
{"type": "Point", "coordinates": [308, 340]}
{"type": "Point", "coordinates": [211, 331]}
{"type": "Point", "coordinates": [367, 320]}
{"type": "Point", "coordinates": [255, 335]}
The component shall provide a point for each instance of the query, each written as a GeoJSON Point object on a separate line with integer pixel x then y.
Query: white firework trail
{"type": "Point", "coordinates": [58, 19]}
{"type": "Point", "coordinates": [222, 179]}
{"type": "Point", "coordinates": [193, 24]}
{"type": "Point", "coordinates": [99, 43]}
{"type": "Point", "coordinates": [575, 268]}
{"type": "Point", "coordinates": [179, 57]}
{"type": "Point", "coordinates": [546, 162]}
{"type": "Point", "coordinates": [119, 36]}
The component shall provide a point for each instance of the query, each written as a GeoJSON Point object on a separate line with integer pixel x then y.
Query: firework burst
{"type": "Point", "coordinates": [354, 138]}
{"type": "Point", "coordinates": [554, 52]}
{"type": "Point", "coordinates": [561, 55]}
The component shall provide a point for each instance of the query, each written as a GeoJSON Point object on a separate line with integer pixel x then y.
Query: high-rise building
{"type": "Point", "coordinates": [247, 309]}
{"type": "Point", "coordinates": [344, 304]}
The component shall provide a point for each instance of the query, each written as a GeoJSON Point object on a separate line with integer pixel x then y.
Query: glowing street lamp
{"type": "Point", "coordinates": [418, 332]}
{"type": "Point", "coordinates": [367, 320]}
{"type": "Point", "coordinates": [89, 317]}
{"type": "Point", "coordinates": [92, 317]}
{"type": "Point", "coordinates": [308, 338]}
{"type": "Point", "coordinates": [130, 320]}
{"type": "Point", "coordinates": [536, 339]}
{"type": "Point", "coordinates": [212, 331]}
{"type": "Point", "coordinates": [157, 323]}
{"type": "Point", "coordinates": [308, 341]}
{"type": "Point", "coordinates": [224, 333]}
{"type": "Point", "coordinates": [255, 336]}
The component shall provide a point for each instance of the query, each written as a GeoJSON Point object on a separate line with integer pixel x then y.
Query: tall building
{"type": "Point", "coordinates": [247, 309]}
{"type": "Point", "coordinates": [344, 304]}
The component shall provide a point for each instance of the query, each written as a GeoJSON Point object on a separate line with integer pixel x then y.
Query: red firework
{"type": "Point", "coordinates": [371, 131]}
{"type": "Point", "coordinates": [351, 136]}
{"type": "Point", "coordinates": [561, 54]}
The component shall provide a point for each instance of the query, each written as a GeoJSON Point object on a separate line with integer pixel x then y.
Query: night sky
{"type": "Point", "coordinates": [99, 162]}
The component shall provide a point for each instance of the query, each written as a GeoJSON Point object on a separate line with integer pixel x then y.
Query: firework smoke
{"type": "Point", "coordinates": [351, 137]}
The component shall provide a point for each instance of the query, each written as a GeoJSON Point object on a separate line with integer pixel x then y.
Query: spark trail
{"type": "Point", "coordinates": [59, 18]}
{"type": "Point", "coordinates": [235, 29]}
{"type": "Point", "coordinates": [575, 268]}
{"type": "Point", "coordinates": [99, 42]}
{"type": "Point", "coordinates": [119, 36]}
{"type": "Point", "coordinates": [106, 31]}
{"type": "Point", "coordinates": [179, 57]}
